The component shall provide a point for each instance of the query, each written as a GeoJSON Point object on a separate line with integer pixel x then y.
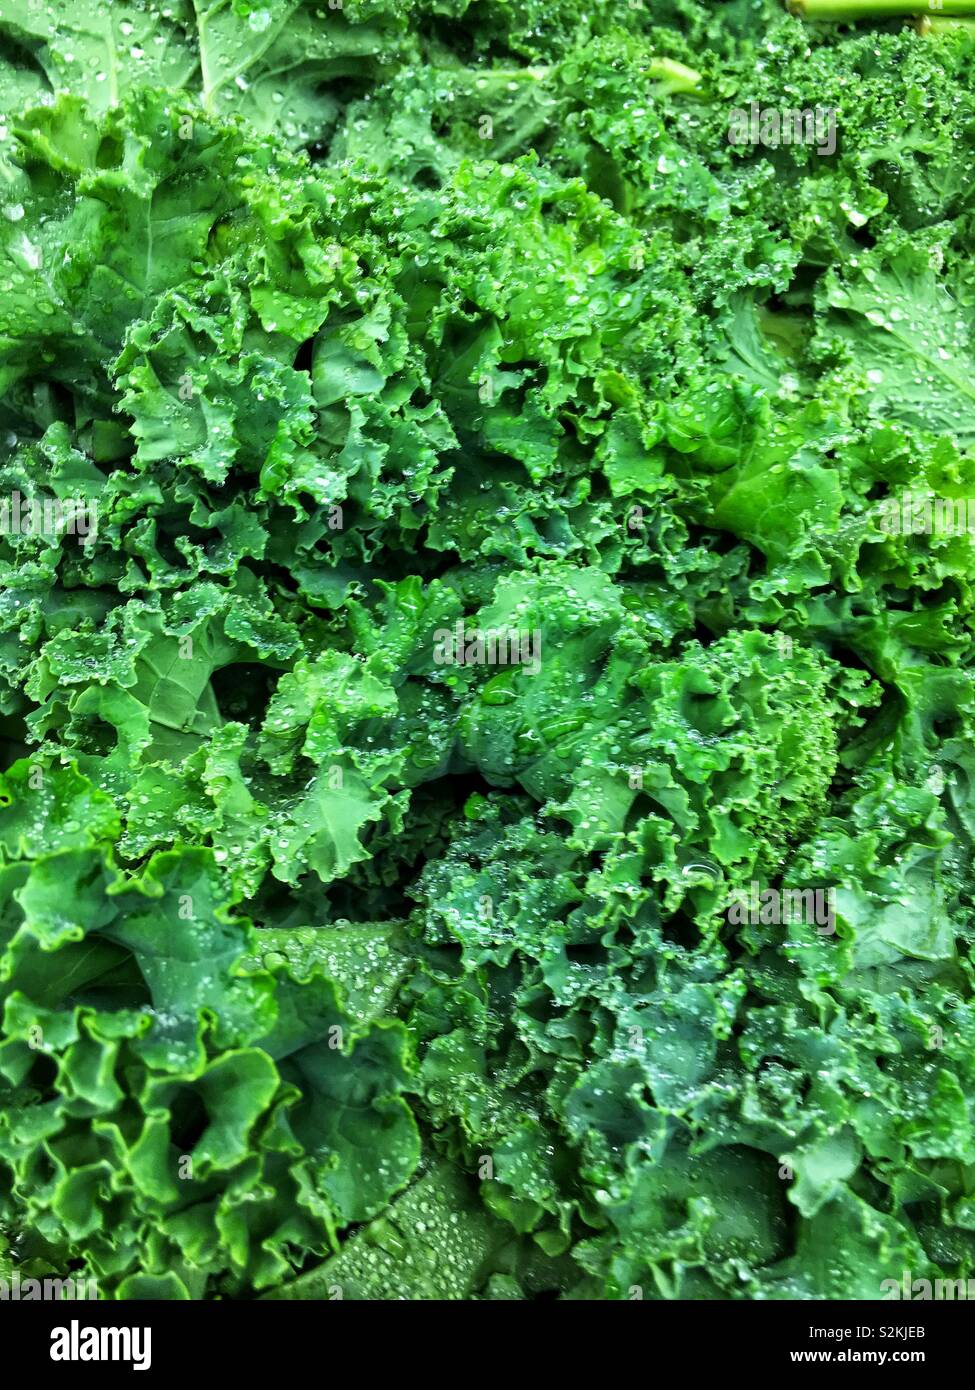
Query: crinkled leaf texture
{"type": "Point", "coordinates": [329, 962]}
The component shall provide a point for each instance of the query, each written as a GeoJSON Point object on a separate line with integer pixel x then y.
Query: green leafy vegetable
{"type": "Point", "coordinates": [486, 649]}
